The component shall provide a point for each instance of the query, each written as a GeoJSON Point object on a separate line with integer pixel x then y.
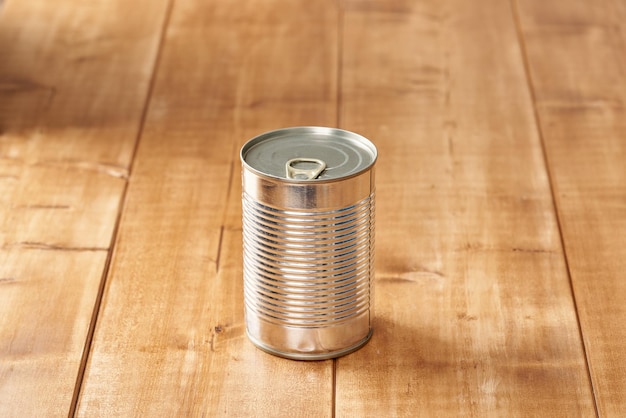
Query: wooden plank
{"type": "Point", "coordinates": [577, 61]}
{"type": "Point", "coordinates": [170, 337]}
{"type": "Point", "coordinates": [474, 313]}
{"type": "Point", "coordinates": [73, 83]}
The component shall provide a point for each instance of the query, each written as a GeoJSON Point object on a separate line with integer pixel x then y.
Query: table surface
{"type": "Point", "coordinates": [501, 204]}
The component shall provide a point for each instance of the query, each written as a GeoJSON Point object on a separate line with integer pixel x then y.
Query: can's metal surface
{"type": "Point", "coordinates": [308, 232]}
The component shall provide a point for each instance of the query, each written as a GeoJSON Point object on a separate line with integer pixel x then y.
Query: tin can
{"type": "Point", "coordinates": [308, 239]}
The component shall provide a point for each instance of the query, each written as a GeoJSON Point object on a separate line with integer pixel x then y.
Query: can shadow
{"type": "Point", "coordinates": [404, 345]}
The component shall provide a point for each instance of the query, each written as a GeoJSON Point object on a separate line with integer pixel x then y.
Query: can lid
{"type": "Point", "coordinates": [309, 153]}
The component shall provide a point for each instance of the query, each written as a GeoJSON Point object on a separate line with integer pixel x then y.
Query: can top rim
{"type": "Point", "coordinates": [358, 143]}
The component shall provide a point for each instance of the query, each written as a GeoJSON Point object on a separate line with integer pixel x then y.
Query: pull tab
{"type": "Point", "coordinates": [301, 173]}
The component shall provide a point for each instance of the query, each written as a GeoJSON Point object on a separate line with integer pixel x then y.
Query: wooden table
{"type": "Point", "coordinates": [501, 204]}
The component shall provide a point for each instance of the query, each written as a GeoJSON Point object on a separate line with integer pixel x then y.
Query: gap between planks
{"type": "Point", "coordinates": [228, 192]}
{"type": "Point", "coordinates": [122, 204]}
{"type": "Point", "coordinates": [546, 162]}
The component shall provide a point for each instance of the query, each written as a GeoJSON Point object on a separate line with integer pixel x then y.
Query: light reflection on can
{"type": "Point", "coordinates": [308, 232]}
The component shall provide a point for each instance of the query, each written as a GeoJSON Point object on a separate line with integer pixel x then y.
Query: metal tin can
{"type": "Point", "coordinates": [308, 238]}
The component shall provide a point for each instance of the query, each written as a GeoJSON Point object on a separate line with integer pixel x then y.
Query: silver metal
{"type": "Point", "coordinates": [298, 173]}
{"type": "Point", "coordinates": [345, 153]}
{"type": "Point", "coordinates": [309, 246]}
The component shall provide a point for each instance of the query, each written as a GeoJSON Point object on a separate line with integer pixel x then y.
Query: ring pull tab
{"type": "Point", "coordinates": [304, 168]}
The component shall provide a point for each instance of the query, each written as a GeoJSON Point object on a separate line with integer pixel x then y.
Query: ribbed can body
{"type": "Point", "coordinates": [308, 264]}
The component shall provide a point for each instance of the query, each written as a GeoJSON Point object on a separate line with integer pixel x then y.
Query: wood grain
{"type": "Point", "coordinates": [501, 207]}
{"type": "Point", "coordinates": [474, 314]}
{"type": "Point", "coordinates": [73, 83]}
{"type": "Point", "coordinates": [170, 338]}
{"type": "Point", "coordinates": [577, 61]}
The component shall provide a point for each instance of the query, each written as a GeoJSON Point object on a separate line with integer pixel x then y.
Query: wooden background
{"type": "Point", "coordinates": [501, 203]}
